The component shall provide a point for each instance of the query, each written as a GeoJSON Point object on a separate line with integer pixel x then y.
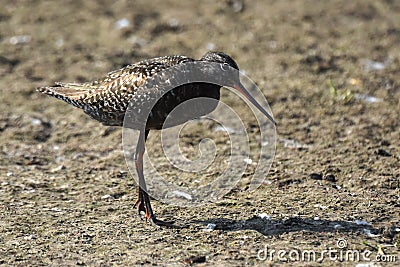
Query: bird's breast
{"type": "Point", "coordinates": [176, 106]}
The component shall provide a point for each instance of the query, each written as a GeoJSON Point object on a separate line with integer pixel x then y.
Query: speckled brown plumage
{"type": "Point", "coordinates": [108, 99]}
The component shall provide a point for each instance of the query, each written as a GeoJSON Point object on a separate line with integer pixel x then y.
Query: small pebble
{"type": "Point", "coordinates": [337, 226]}
{"type": "Point", "coordinates": [248, 160]}
{"type": "Point", "coordinates": [136, 40]}
{"type": "Point", "coordinates": [29, 237]}
{"type": "Point", "coordinates": [264, 216]}
{"type": "Point", "coordinates": [182, 194]}
{"type": "Point", "coordinates": [367, 98]}
{"type": "Point", "coordinates": [316, 176]}
{"type": "Point", "coordinates": [330, 177]}
{"type": "Point", "coordinates": [30, 191]}
{"type": "Point", "coordinates": [383, 153]}
{"type": "Point", "coordinates": [211, 46]}
{"type": "Point", "coordinates": [267, 182]}
{"type": "Point", "coordinates": [322, 207]}
{"type": "Point", "coordinates": [289, 143]}
{"type": "Point", "coordinates": [59, 168]}
{"type": "Point", "coordinates": [359, 222]}
{"type": "Point", "coordinates": [20, 39]}
{"type": "Point", "coordinates": [36, 122]}
{"type": "Point", "coordinates": [374, 65]}
{"type": "Point", "coordinates": [236, 5]}
{"type": "Point", "coordinates": [59, 42]}
{"type": "Point", "coordinates": [173, 22]}
{"type": "Point", "coordinates": [195, 259]}
{"type": "Point", "coordinates": [210, 227]}
{"type": "Point", "coordinates": [122, 23]}
{"type": "Point", "coordinates": [273, 44]}
{"type": "Point", "coordinates": [60, 159]}
{"type": "Point", "coordinates": [336, 186]}
{"type": "Point", "coordinates": [385, 143]}
{"type": "Point", "coordinates": [220, 128]}
{"type": "Point", "coordinates": [369, 234]}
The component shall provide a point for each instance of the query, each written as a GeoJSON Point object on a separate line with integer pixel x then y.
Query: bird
{"type": "Point", "coordinates": [108, 99]}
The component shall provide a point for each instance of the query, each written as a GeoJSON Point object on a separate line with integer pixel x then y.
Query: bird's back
{"type": "Point", "coordinates": [107, 99]}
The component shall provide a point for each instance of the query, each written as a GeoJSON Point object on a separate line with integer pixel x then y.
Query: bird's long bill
{"type": "Point", "coordinates": [246, 94]}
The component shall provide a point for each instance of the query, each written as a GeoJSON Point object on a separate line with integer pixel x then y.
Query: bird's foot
{"type": "Point", "coordinates": [150, 216]}
{"type": "Point", "coordinates": [140, 207]}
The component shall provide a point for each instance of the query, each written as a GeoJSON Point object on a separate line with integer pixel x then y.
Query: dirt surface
{"type": "Point", "coordinates": [330, 71]}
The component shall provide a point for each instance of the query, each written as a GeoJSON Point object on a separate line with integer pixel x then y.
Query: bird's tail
{"type": "Point", "coordinates": [73, 94]}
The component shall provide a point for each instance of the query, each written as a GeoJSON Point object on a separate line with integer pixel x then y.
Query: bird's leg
{"type": "Point", "coordinates": [140, 204]}
{"type": "Point", "coordinates": [143, 202]}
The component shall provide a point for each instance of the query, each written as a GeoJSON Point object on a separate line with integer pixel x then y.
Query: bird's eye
{"type": "Point", "coordinates": [224, 66]}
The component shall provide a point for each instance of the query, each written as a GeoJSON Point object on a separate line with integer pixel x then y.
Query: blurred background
{"type": "Point", "coordinates": [330, 72]}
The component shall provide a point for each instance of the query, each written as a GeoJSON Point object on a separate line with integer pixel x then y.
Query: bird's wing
{"type": "Point", "coordinates": [122, 81]}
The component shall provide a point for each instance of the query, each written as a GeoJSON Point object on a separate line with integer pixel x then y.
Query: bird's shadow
{"type": "Point", "coordinates": [295, 224]}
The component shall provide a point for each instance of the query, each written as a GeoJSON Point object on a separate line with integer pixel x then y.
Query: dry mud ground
{"type": "Point", "coordinates": [331, 74]}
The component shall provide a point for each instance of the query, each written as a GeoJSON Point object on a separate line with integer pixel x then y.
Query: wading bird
{"type": "Point", "coordinates": [107, 100]}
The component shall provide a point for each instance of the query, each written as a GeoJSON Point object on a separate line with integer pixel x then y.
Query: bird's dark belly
{"type": "Point", "coordinates": [182, 104]}
{"type": "Point", "coordinates": [164, 108]}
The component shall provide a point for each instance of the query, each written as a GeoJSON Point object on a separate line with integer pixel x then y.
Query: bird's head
{"type": "Point", "coordinates": [222, 58]}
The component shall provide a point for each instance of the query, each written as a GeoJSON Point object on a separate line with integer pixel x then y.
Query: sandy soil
{"type": "Point", "coordinates": [330, 71]}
